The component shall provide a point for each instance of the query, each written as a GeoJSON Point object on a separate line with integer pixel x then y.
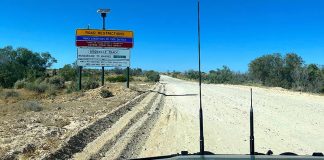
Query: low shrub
{"type": "Point", "coordinates": [72, 87]}
{"type": "Point", "coordinates": [20, 84]}
{"type": "Point", "coordinates": [39, 88]}
{"type": "Point", "coordinates": [10, 93]}
{"type": "Point", "coordinates": [90, 84]}
{"type": "Point", "coordinates": [40, 80]}
{"type": "Point", "coordinates": [61, 122]}
{"type": "Point", "coordinates": [118, 78]}
{"type": "Point", "coordinates": [29, 149]}
{"type": "Point", "coordinates": [51, 90]}
{"type": "Point", "coordinates": [104, 93]}
{"type": "Point", "coordinates": [322, 90]}
{"type": "Point", "coordinates": [32, 106]}
{"type": "Point", "coordinates": [152, 76]}
{"type": "Point", "coordinates": [57, 81]}
{"type": "Point", "coordinates": [68, 72]}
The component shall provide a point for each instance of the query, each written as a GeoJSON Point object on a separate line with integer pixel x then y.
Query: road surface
{"type": "Point", "coordinates": [284, 120]}
{"type": "Point", "coordinates": [165, 120]}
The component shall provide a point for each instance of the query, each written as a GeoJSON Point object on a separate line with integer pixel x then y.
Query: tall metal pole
{"type": "Point", "coordinates": [80, 78]}
{"type": "Point", "coordinates": [201, 139]}
{"type": "Point", "coordinates": [251, 129]}
{"type": "Point", "coordinates": [103, 15]}
{"type": "Point", "coordinates": [128, 79]}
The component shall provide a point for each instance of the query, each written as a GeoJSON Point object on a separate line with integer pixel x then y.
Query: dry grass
{"type": "Point", "coordinates": [61, 122]}
{"type": "Point", "coordinates": [4, 150]}
{"type": "Point", "coordinates": [139, 79]}
{"type": "Point", "coordinates": [58, 119]}
{"type": "Point", "coordinates": [20, 108]}
{"type": "Point", "coordinates": [51, 143]}
{"type": "Point", "coordinates": [22, 95]}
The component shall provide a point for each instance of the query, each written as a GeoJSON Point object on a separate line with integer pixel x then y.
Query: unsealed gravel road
{"type": "Point", "coordinates": [165, 121]}
{"type": "Point", "coordinates": [284, 120]}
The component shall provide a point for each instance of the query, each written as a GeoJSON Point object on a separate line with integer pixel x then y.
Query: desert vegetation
{"type": "Point", "coordinates": [23, 69]}
{"type": "Point", "coordinates": [41, 107]}
{"type": "Point", "coordinates": [288, 71]}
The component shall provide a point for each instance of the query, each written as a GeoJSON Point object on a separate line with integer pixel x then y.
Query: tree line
{"type": "Point", "coordinates": [21, 63]}
{"type": "Point", "coordinates": [275, 70]}
{"type": "Point", "coordinates": [23, 68]}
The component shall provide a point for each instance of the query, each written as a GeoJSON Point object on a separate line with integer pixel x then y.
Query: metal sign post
{"type": "Point", "coordinates": [80, 78]}
{"type": "Point", "coordinates": [103, 13]}
{"type": "Point", "coordinates": [127, 83]}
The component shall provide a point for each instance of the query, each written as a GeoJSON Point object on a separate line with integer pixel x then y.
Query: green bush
{"type": "Point", "coordinates": [20, 84]}
{"type": "Point", "coordinates": [68, 72]}
{"type": "Point", "coordinates": [72, 87]}
{"type": "Point", "coordinates": [104, 93]}
{"type": "Point", "coordinates": [322, 90]}
{"type": "Point", "coordinates": [57, 82]}
{"type": "Point", "coordinates": [51, 90]}
{"type": "Point", "coordinates": [32, 106]}
{"type": "Point", "coordinates": [22, 63]}
{"type": "Point", "coordinates": [119, 78]}
{"type": "Point", "coordinates": [152, 76]}
{"type": "Point", "coordinates": [10, 93]}
{"type": "Point", "coordinates": [90, 84]}
{"type": "Point", "coordinates": [39, 88]}
{"type": "Point", "coordinates": [175, 74]}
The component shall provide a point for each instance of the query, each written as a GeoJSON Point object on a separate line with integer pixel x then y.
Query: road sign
{"type": "Point", "coordinates": [104, 38]}
{"type": "Point", "coordinates": [103, 57]}
{"type": "Point", "coordinates": [98, 63]}
{"type": "Point", "coordinates": [105, 54]}
{"type": "Point", "coordinates": [104, 33]}
{"type": "Point", "coordinates": [104, 44]}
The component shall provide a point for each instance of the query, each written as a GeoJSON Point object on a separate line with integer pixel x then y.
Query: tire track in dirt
{"type": "Point", "coordinates": [135, 146]}
{"type": "Point", "coordinates": [79, 141]}
{"type": "Point", "coordinates": [129, 139]}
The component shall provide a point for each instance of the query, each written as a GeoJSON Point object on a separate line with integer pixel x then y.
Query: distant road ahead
{"type": "Point", "coordinates": [284, 120]}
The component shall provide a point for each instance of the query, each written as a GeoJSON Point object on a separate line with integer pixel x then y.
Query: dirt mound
{"type": "Point", "coordinates": [114, 88]}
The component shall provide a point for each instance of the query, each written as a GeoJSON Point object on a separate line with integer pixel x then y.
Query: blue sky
{"type": "Point", "coordinates": [234, 32]}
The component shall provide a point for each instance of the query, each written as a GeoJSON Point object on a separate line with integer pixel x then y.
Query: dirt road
{"type": "Point", "coordinates": [165, 120]}
{"type": "Point", "coordinates": [284, 120]}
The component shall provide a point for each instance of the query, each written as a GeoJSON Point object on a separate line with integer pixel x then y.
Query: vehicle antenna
{"type": "Point", "coordinates": [251, 129]}
{"type": "Point", "coordinates": [201, 139]}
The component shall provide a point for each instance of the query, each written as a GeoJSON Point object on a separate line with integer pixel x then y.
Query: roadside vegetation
{"type": "Point", "coordinates": [288, 71]}
{"type": "Point", "coordinates": [34, 99]}
{"type": "Point", "coordinates": [23, 70]}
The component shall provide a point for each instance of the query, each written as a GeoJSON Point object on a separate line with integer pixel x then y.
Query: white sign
{"type": "Point", "coordinates": [96, 63]}
{"type": "Point", "coordinates": [103, 57]}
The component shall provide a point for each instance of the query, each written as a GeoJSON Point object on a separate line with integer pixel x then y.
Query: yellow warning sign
{"type": "Point", "coordinates": [104, 33]}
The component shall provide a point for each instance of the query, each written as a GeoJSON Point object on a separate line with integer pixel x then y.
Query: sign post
{"type": "Point", "coordinates": [103, 15]}
{"type": "Point", "coordinates": [103, 48]}
{"type": "Point", "coordinates": [127, 83]}
{"type": "Point", "coordinates": [80, 78]}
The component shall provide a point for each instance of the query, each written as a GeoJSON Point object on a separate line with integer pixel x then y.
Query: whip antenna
{"type": "Point", "coordinates": [251, 129]}
{"type": "Point", "coordinates": [201, 128]}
